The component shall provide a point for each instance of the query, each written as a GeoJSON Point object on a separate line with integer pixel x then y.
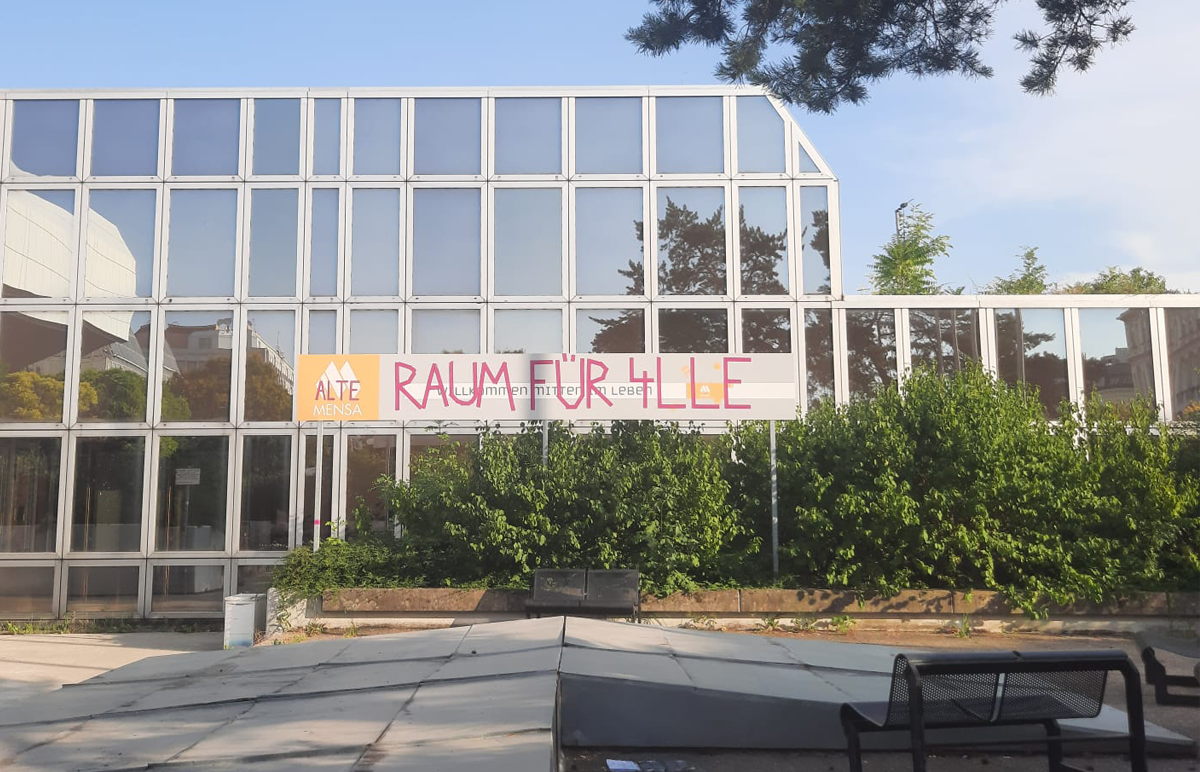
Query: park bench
{"type": "Point", "coordinates": [1156, 674]}
{"type": "Point", "coordinates": [610, 592]}
{"type": "Point", "coordinates": [957, 690]}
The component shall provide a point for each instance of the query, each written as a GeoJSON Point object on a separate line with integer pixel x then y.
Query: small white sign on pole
{"type": "Point", "coordinates": [187, 476]}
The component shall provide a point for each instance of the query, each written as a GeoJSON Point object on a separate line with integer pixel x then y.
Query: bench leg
{"type": "Point", "coordinates": [917, 733]}
{"type": "Point", "coordinates": [1156, 674]}
{"type": "Point", "coordinates": [853, 747]}
{"type": "Point", "coordinates": [1054, 753]}
{"type": "Point", "coordinates": [1137, 722]}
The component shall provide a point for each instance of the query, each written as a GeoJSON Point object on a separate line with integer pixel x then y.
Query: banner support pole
{"type": "Point", "coordinates": [317, 485]}
{"type": "Point", "coordinates": [774, 508]}
{"type": "Point", "coordinates": [545, 443]}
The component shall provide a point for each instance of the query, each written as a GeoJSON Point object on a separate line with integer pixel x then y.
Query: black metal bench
{"type": "Point", "coordinates": [1156, 674]}
{"type": "Point", "coordinates": [956, 690]}
{"type": "Point", "coordinates": [609, 592]}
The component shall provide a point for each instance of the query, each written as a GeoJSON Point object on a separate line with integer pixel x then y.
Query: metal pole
{"type": "Point", "coordinates": [545, 443]}
{"type": "Point", "coordinates": [320, 462]}
{"type": "Point", "coordinates": [774, 509]}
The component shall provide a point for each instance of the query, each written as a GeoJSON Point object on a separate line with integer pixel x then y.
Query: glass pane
{"type": "Point", "coordinates": [322, 332]}
{"type": "Point", "coordinates": [1032, 349]}
{"type": "Point", "coordinates": [377, 140]}
{"type": "Point", "coordinates": [125, 138]}
{"type": "Point", "coordinates": [28, 494]}
{"type": "Point", "coordinates": [206, 137]}
{"type": "Point", "coordinates": [945, 339]}
{"type": "Point", "coordinates": [310, 485]}
{"type": "Point", "coordinates": [45, 138]}
{"type": "Point", "coordinates": [871, 350]}
{"type": "Point", "coordinates": [273, 241]}
{"type": "Point", "coordinates": [254, 578]}
{"type": "Point", "coordinates": [691, 135]}
{"type": "Point", "coordinates": [763, 239]}
{"type": "Point", "coordinates": [447, 136]}
{"type": "Point", "coordinates": [761, 146]}
{"type": "Point", "coordinates": [818, 354]}
{"type": "Point", "coordinates": [374, 332]}
{"type": "Point", "coordinates": [103, 589]}
{"type": "Point", "coordinates": [419, 445]}
{"type": "Point", "coordinates": [528, 331]}
{"type": "Point", "coordinates": [270, 365]}
{"type": "Point", "coordinates": [327, 136]}
{"type": "Point", "coordinates": [189, 589]}
{"type": "Point", "coordinates": [367, 457]}
{"type": "Point", "coordinates": [202, 246]}
{"type": "Point", "coordinates": [197, 358]}
{"type": "Point", "coordinates": [1183, 360]}
{"type": "Point", "coordinates": [39, 243]}
{"type": "Point", "coordinates": [375, 242]}
{"type": "Point", "coordinates": [529, 136]}
{"type": "Point", "coordinates": [107, 513]}
{"type": "Point", "coordinates": [446, 241]}
{"type": "Point", "coordinates": [266, 497]}
{"type": "Point", "coordinates": [26, 589]}
{"type": "Point", "coordinates": [192, 480]}
{"type": "Point", "coordinates": [445, 331]}
{"type": "Point", "coordinates": [767, 331]}
{"type": "Point", "coordinates": [610, 330]}
{"type": "Point", "coordinates": [528, 249]}
{"type": "Point", "coordinates": [608, 135]}
{"type": "Point", "coordinates": [326, 236]}
{"type": "Point", "coordinates": [807, 165]}
{"type": "Point", "coordinates": [1117, 360]}
{"type": "Point", "coordinates": [814, 239]}
{"type": "Point", "coordinates": [693, 331]}
{"type": "Point", "coordinates": [33, 353]}
{"type": "Point", "coordinates": [114, 365]}
{"type": "Point", "coordinates": [608, 241]}
{"type": "Point", "coordinates": [119, 257]}
{"type": "Point", "coordinates": [691, 241]}
{"type": "Point", "coordinates": [276, 136]}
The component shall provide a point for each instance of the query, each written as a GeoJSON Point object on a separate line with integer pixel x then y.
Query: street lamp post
{"type": "Point", "coordinates": [900, 209]}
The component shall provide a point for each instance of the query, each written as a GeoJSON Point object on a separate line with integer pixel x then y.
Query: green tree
{"type": "Point", "coordinates": [832, 49]}
{"type": "Point", "coordinates": [121, 395]}
{"type": "Point", "coordinates": [1115, 281]}
{"type": "Point", "coordinates": [1029, 279]}
{"type": "Point", "coordinates": [30, 396]}
{"type": "Point", "coordinates": [905, 266]}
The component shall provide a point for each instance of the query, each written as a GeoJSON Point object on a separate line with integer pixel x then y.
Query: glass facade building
{"type": "Point", "coordinates": [166, 256]}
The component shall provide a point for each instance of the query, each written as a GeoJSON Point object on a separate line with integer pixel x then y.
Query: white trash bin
{"type": "Point", "coordinates": [241, 618]}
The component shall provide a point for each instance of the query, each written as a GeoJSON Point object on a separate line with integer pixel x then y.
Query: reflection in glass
{"type": "Point", "coordinates": [1031, 349]}
{"type": "Point", "coordinates": [1117, 361]}
{"type": "Point", "coordinates": [192, 479]}
{"type": "Point", "coordinates": [273, 241]}
{"type": "Point", "coordinates": [266, 491]}
{"type": "Point", "coordinates": [107, 514]}
{"type": "Point", "coordinates": [529, 136]}
{"type": "Point", "coordinates": [691, 241]}
{"type": "Point", "coordinates": [322, 332]}
{"type": "Point", "coordinates": [114, 365]}
{"type": "Point", "coordinates": [446, 241]}
{"type": "Point", "coordinates": [944, 339]}
{"type": "Point", "coordinates": [28, 494]}
{"type": "Point", "coordinates": [608, 241]}
{"type": "Point", "coordinates": [693, 331]}
{"type": "Point", "coordinates": [119, 256]}
{"type": "Point", "coordinates": [327, 136]}
{"type": "Point", "coordinates": [375, 241]}
{"type": "Point", "coordinates": [766, 331]}
{"type": "Point", "coordinates": [608, 135]}
{"type": "Point", "coordinates": [33, 354]}
{"type": "Point", "coordinates": [276, 136]}
{"type": "Point", "coordinates": [367, 457]}
{"type": "Point", "coordinates": [187, 589]}
{"type": "Point", "coordinates": [270, 365]}
{"type": "Point", "coordinates": [528, 248]}
{"type": "Point", "coordinates": [1183, 360]}
{"type": "Point", "coordinates": [528, 331]}
{"type": "Point", "coordinates": [374, 332]}
{"type": "Point", "coordinates": [202, 246]}
{"type": "Point", "coordinates": [206, 138]}
{"type": "Point", "coordinates": [610, 330]}
{"type": "Point", "coordinates": [26, 590]}
{"type": "Point", "coordinates": [691, 135]}
{"type": "Point", "coordinates": [125, 138]}
{"type": "Point", "coordinates": [763, 240]}
{"type": "Point", "coordinates": [814, 239]}
{"type": "Point", "coordinates": [445, 331]}
{"type": "Point", "coordinates": [761, 145]}
{"type": "Point", "coordinates": [447, 136]}
{"type": "Point", "coordinates": [420, 445]}
{"type": "Point", "coordinates": [254, 578]}
{"type": "Point", "coordinates": [197, 357]}
{"type": "Point", "coordinates": [323, 257]}
{"type": "Point", "coordinates": [377, 141]}
{"type": "Point", "coordinates": [39, 243]}
{"type": "Point", "coordinates": [103, 589]}
{"type": "Point", "coordinates": [45, 138]}
{"type": "Point", "coordinates": [807, 165]}
{"type": "Point", "coordinates": [818, 354]}
{"type": "Point", "coordinates": [870, 350]}
{"type": "Point", "coordinates": [310, 486]}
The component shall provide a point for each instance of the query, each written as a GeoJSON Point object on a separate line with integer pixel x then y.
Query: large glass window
{"type": "Point", "coordinates": [322, 331]}
{"type": "Point", "coordinates": [691, 241]}
{"type": "Point", "coordinates": [187, 589]}
{"type": "Point", "coordinates": [103, 589]}
{"type": "Point", "coordinates": [1183, 359]}
{"type": "Point", "coordinates": [39, 243]}
{"type": "Point", "coordinates": [528, 248]}
{"type": "Point", "coordinates": [273, 241]}
{"type": "Point", "coordinates": [125, 138]}
{"type": "Point", "coordinates": [193, 478]}
{"type": "Point", "coordinates": [375, 242]}
{"type": "Point", "coordinates": [1118, 363]}
{"type": "Point", "coordinates": [761, 146]}
{"type": "Point", "coordinates": [29, 469]}
{"type": "Point", "coordinates": [310, 486]}
{"type": "Point", "coordinates": [807, 165]}
{"type": "Point", "coordinates": [206, 137]}
{"type": "Point", "coordinates": [26, 590]}
{"type": "Point", "coordinates": [610, 330]}
{"type": "Point", "coordinates": [693, 331]}
{"type": "Point", "coordinates": [374, 332]}
{"type": "Point", "coordinates": [1031, 348]}
{"type": "Point", "coordinates": [870, 350]}
{"type": "Point", "coordinates": [270, 365]}
{"type": "Point", "coordinates": [107, 514]}
{"type": "Point", "coordinates": [609, 241]}
{"type": "Point", "coordinates": [608, 135]}
{"type": "Point", "coordinates": [814, 239]}
{"type": "Point", "coordinates": [114, 365]}
{"type": "Point", "coordinates": [202, 246]}
{"type": "Point", "coordinates": [368, 456]}
{"type": "Point", "coordinates": [276, 136]}
{"type": "Point", "coordinates": [33, 353]}
{"type": "Point", "coordinates": [45, 138]}
{"type": "Point", "coordinates": [447, 136]}
{"type": "Point", "coordinates": [266, 491]}
{"type": "Point", "coordinates": [766, 331]}
{"type": "Point", "coordinates": [763, 240]}
{"type": "Point", "coordinates": [327, 136]}
{"type": "Point", "coordinates": [818, 354]}
{"type": "Point", "coordinates": [446, 241]}
{"type": "Point", "coordinates": [944, 339]}
{"type": "Point", "coordinates": [529, 136]}
{"type": "Point", "coordinates": [323, 246]}
{"type": "Point", "coordinates": [691, 135]}
{"type": "Point", "coordinates": [120, 239]}
{"type": "Point", "coordinates": [445, 331]}
{"type": "Point", "coordinates": [255, 578]}
{"type": "Point", "coordinates": [420, 446]}
{"type": "Point", "coordinates": [377, 141]}
{"type": "Point", "coordinates": [528, 331]}
{"type": "Point", "coordinates": [197, 358]}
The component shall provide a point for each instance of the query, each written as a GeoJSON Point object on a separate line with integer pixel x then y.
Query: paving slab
{"type": "Point", "coordinates": [598, 634]}
{"type": "Point", "coordinates": [516, 635]}
{"type": "Point", "coordinates": [462, 710]}
{"type": "Point", "coordinates": [504, 663]}
{"type": "Point", "coordinates": [525, 752]}
{"type": "Point", "coordinates": [623, 665]}
{"type": "Point", "coordinates": [725, 646]}
{"type": "Point", "coordinates": [371, 675]}
{"type": "Point", "coordinates": [425, 644]}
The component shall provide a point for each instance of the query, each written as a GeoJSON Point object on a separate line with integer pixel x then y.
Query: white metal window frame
{"type": "Point", "coordinates": [493, 309]}
{"type": "Point", "coordinates": [243, 436]}
{"type": "Point", "coordinates": [9, 121]}
{"type": "Point", "coordinates": [790, 253]}
{"type": "Point", "coordinates": [708, 305]}
{"type": "Point", "coordinates": [780, 176]}
{"type": "Point", "coordinates": [342, 508]}
{"type": "Point", "coordinates": [23, 561]}
{"type": "Point", "coordinates": [157, 256]}
{"type": "Point", "coordinates": [148, 589]}
{"type": "Point", "coordinates": [63, 591]}
{"type": "Point", "coordinates": [407, 287]}
{"type": "Point", "coordinates": [122, 180]}
{"type": "Point", "coordinates": [633, 183]}
{"type": "Point", "coordinates": [301, 130]}
{"type": "Point", "coordinates": [67, 523]}
{"type": "Point", "coordinates": [349, 122]}
{"type": "Point", "coordinates": [564, 229]}
{"type": "Point", "coordinates": [59, 505]}
{"type": "Point", "coordinates": [414, 308]}
{"type": "Point", "coordinates": [240, 418]}
{"type": "Point", "coordinates": [306, 251]}
{"type": "Point", "coordinates": [163, 270]}
{"type": "Point", "coordinates": [74, 242]}
{"type": "Point", "coordinates": [835, 241]}
{"type": "Point", "coordinates": [485, 121]}
{"type": "Point", "coordinates": [237, 314]}
{"type": "Point", "coordinates": [243, 131]}
{"type": "Point", "coordinates": [329, 434]}
{"type": "Point", "coordinates": [348, 312]}
{"type": "Point", "coordinates": [402, 217]}
{"type": "Point", "coordinates": [491, 133]}
{"type": "Point", "coordinates": [238, 563]}
{"type": "Point", "coordinates": [306, 312]}
{"type": "Point", "coordinates": [632, 303]}
{"type": "Point", "coordinates": [70, 392]}
{"type": "Point", "coordinates": [726, 153]}
{"type": "Point", "coordinates": [232, 481]}
{"type": "Point", "coordinates": [246, 235]}
{"type": "Point", "coordinates": [310, 120]}
{"type": "Point", "coordinates": [640, 176]}
{"type": "Point", "coordinates": [651, 238]}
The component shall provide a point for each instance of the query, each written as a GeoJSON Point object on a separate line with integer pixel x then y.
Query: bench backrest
{"type": "Point", "coordinates": [618, 587]}
{"type": "Point", "coordinates": [560, 585]}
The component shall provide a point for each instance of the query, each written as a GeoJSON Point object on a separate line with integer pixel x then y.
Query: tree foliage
{"type": "Point", "coordinates": [1029, 279]}
{"type": "Point", "coordinates": [1116, 281]}
{"type": "Point", "coordinates": [905, 266]}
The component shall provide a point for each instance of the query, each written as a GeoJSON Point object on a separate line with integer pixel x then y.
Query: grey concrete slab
{"type": "Point", "coordinates": [626, 665]}
{"type": "Point", "coordinates": [366, 676]}
{"type": "Point", "coordinates": [281, 657]}
{"type": "Point", "coordinates": [842, 656]}
{"type": "Point", "coordinates": [167, 666]}
{"type": "Point", "coordinates": [515, 635]}
{"type": "Point", "coordinates": [491, 665]}
{"type": "Point", "coordinates": [422, 644]}
{"type": "Point", "coordinates": [74, 702]}
{"type": "Point", "coordinates": [204, 690]}
{"type": "Point", "coordinates": [747, 648]}
{"type": "Point", "coordinates": [598, 634]}
{"type": "Point", "coordinates": [760, 680]}
{"type": "Point", "coordinates": [524, 752]}
{"type": "Point", "coordinates": [468, 710]}
{"type": "Point", "coordinates": [325, 762]}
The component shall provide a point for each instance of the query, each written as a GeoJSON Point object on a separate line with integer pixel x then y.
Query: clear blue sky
{"type": "Point", "coordinates": [1104, 173]}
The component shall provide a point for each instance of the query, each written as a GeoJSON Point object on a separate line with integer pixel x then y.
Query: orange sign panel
{"type": "Point", "coordinates": [338, 388]}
